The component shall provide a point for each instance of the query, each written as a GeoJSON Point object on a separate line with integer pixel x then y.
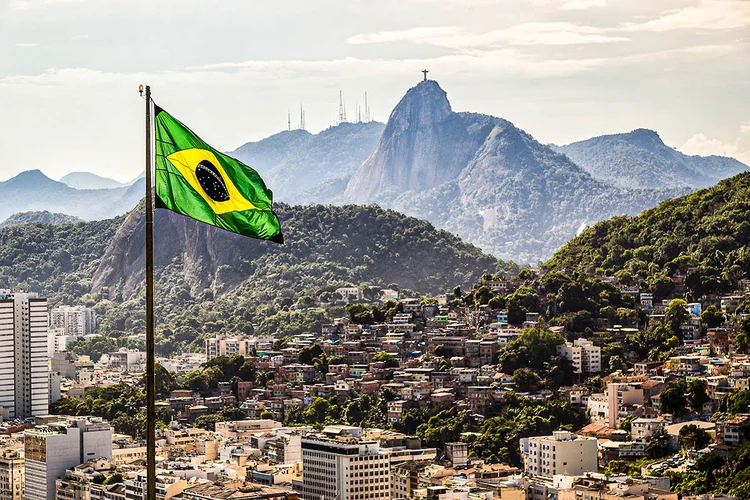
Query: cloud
{"type": "Point", "coordinates": [505, 62]}
{"type": "Point", "coordinates": [36, 4]}
{"type": "Point", "coordinates": [707, 15]}
{"type": "Point", "coordinates": [583, 4]}
{"type": "Point", "coordinates": [22, 5]}
{"type": "Point", "coordinates": [23, 45]}
{"type": "Point", "coordinates": [701, 144]}
{"type": "Point", "coordinates": [546, 33]}
{"type": "Point", "coordinates": [407, 35]}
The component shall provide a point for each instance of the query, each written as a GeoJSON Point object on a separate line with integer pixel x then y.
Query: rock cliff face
{"type": "Point", "coordinates": [424, 144]}
{"type": "Point", "coordinates": [481, 177]}
{"type": "Point", "coordinates": [640, 159]}
{"type": "Point", "coordinates": [199, 249]}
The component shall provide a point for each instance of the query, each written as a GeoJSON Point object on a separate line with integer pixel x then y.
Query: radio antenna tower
{"type": "Point", "coordinates": [342, 108]}
{"type": "Point", "coordinates": [301, 117]}
{"type": "Point", "coordinates": [367, 110]}
{"type": "Point", "coordinates": [288, 120]}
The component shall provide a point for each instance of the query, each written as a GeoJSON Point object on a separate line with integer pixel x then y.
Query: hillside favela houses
{"type": "Point", "coordinates": [461, 396]}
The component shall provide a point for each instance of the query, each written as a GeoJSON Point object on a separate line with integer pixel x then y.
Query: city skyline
{"type": "Point", "coordinates": [563, 70]}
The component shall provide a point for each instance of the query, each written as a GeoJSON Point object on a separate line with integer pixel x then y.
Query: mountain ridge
{"type": "Point", "coordinates": [88, 180]}
{"type": "Point", "coordinates": [298, 165]}
{"type": "Point", "coordinates": [484, 179]}
{"type": "Point", "coordinates": [33, 191]}
{"type": "Point", "coordinates": [640, 159]}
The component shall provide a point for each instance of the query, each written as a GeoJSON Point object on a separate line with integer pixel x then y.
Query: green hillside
{"type": "Point", "coordinates": [703, 236]}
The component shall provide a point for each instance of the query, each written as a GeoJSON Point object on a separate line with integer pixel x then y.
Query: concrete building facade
{"type": "Point", "coordinates": [561, 453]}
{"type": "Point", "coordinates": [24, 377]}
{"type": "Point", "coordinates": [52, 449]}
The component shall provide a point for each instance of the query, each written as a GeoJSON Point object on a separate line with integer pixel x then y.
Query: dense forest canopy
{"type": "Point", "coordinates": [703, 236]}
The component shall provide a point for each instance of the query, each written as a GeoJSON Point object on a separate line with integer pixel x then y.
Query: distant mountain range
{"type": "Point", "coordinates": [301, 167]}
{"type": "Point", "coordinates": [639, 159]}
{"type": "Point", "coordinates": [475, 175]}
{"type": "Point", "coordinates": [33, 191]}
{"type": "Point", "coordinates": [481, 177]}
{"type": "Point", "coordinates": [87, 180]}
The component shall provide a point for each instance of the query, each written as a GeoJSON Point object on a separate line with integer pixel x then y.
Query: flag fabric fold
{"type": "Point", "coordinates": [195, 180]}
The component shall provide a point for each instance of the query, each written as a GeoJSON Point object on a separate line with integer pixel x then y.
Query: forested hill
{"type": "Point", "coordinates": [323, 244]}
{"type": "Point", "coordinates": [56, 260]}
{"type": "Point", "coordinates": [43, 216]}
{"type": "Point", "coordinates": [211, 281]}
{"type": "Point", "coordinates": [705, 234]}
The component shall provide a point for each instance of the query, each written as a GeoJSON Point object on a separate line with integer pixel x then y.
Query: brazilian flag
{"type": "Point", "coordinates": [195, 180]}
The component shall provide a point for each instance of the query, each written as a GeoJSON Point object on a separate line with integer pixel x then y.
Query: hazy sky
{"type": "Point", "coordinates": [563, 70]}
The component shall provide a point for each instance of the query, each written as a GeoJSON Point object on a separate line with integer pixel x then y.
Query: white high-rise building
{"type": "Point", "coordinates": [24, 377]}
{"type": "Point", "coordinates": [52, 449]}
{"type": "Point", "coordinates": [585, 356]}
{"type": "Point", "coordinates": [340, 465]}
{"type": "Point", "coordinates": [74, 320]}
{"type": "Point", "coordinates": [7, 355]}
{"type": "Point", "coordinates": [561, 453]}
{"type": "Point", "coordinates": [32, 371]}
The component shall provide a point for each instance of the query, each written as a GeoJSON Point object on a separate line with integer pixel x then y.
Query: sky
{"type": "Point", "coordinates": [563, 70]}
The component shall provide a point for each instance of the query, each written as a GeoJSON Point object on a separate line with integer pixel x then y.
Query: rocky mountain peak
{"type": "Point", "coordinates": [424, 144]}
{"type": "Point", "coordinates": [423, 105]}
{"type": "Point", "coordinates": [645, 138]}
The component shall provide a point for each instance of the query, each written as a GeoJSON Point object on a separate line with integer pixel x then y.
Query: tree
{"type": "Point", "coordinates": [525, 379]}
{"type": "Point", "coordinates": [672, 399]}
{"type": "Point", "coordinates": [117, 477]}
{"type": "Point", "coordinates": [698, 394]}
{"type": "Point", "coordinates": [693, 437]}
{"type": "Point", "coordinates": [712, 317]}
{"type": "Point", "coordinates": [709, 461]}
{"type": "Point", "coordinates": [308, 354]}
{"type": "Point", "coordinates": [626, 423]}
{"type": "Point", "coordinates": [523, 300]}
{"type": "Point", "coordinates": [483, 295]}
{"type": "Point", "coordinates": [266, 415]}
{"type": "Point", "coordinates": [658, 447]}
{"type": "Point", "coordinates": [675, 315]}
{"type": "Point", "coordinates": [390, 360]}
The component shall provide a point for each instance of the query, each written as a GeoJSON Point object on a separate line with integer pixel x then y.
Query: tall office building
{"type": "Point", "coordinates": [52, 449]}
{"type": "Point", "coordinates": [74, 320]}
{"type": "Point", "coordinates": [24, 378]}
{"type": "Point", "coordinates": [11, 475]}
{"type": "Point", "coordinates": [340, 465]}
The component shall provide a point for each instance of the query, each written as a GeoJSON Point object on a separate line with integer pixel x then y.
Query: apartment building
{"type": "Point", "coordinates": [75, 321]}
{"type": "Point", "coordinates": [24, 377]}
{"type": "Point", "coordinates": [11, 475]}
{"type": "Point", "coordinates": [339, 465]}
{"type": "Point", "coordinates": [52, 449]}
{"type": "Point", "coordinates": [561, 453]}
{"type": "Point", "coordinates": [226, 345]}
{"type": "Point", "coordinates": [585, 356]}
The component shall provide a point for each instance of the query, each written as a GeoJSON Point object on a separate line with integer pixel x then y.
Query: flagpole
{"type": "Point", "coordinates": [150, 340]}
